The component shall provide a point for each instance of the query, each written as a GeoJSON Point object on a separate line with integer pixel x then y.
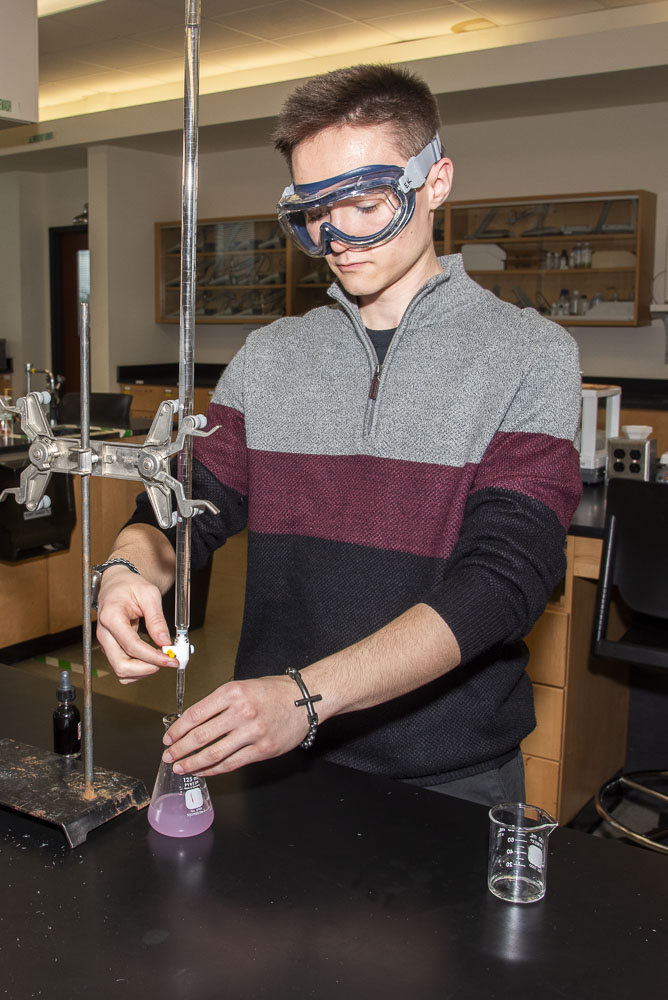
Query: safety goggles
{"type": "Point", "coordinates": [362, 208]}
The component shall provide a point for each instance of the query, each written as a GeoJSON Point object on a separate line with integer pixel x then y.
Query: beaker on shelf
{"type": "Point", "coordinates": [180, 803]}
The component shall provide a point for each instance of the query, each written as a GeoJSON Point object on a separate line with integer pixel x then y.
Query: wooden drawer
{"type": "Point", "coordinates": [201, 400]}
{"type": "Point", "coordinates": [587, 557]}
{"type": "Point", "coordinates": [541, 778]}
{"type": "Point", "coordinates": [147, 398]}
{"type": "Point", "coordinates": [548, 645]}
{"type": "Point", "coordinates": [24, 607]}
{"type": "Point", "coordinates": [545, 740]}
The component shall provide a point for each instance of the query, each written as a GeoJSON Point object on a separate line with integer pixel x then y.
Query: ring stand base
{"type": "Point", "coordinates": [50, 788]}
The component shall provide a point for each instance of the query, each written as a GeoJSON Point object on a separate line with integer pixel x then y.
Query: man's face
{"type": "Point", "coordinates": [367, 273]}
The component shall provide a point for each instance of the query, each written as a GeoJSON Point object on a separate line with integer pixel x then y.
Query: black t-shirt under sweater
{"type": "Point", "coordinates": [381, 341]}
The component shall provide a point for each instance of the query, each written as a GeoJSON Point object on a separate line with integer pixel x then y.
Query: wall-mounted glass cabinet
{"type": "Point", "coordinates": [583, 260]}
{"type": "Point", "coordinates": [241, 271]}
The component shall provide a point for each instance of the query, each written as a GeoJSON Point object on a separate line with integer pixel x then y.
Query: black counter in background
{"type": "Point", "coordinates": [205, 375]}
{"type": "Point", "coordinates": [637, 393]}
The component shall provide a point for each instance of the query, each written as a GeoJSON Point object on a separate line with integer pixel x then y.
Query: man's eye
{"type": "Point", "coordinates": [316, 214]}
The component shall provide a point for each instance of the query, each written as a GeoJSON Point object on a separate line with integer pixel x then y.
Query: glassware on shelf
{"type": "Point", "coordinates": [180, 803]}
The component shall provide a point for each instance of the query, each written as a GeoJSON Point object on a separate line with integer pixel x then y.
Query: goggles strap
{"type": "Point", "coordinates": [419, 166]}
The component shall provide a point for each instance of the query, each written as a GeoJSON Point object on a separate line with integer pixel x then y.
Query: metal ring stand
{"type": "Point", "coordinates": [34, 781]}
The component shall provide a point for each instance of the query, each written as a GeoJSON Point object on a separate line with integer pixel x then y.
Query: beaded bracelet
{"type": "Point", "coordinates": [307, 700]}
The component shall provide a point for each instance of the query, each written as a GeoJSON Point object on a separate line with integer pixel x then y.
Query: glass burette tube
{"type": "Point", "coordinates": [187, 323]}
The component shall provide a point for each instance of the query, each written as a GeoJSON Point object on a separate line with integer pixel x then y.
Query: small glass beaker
{"type": "Point", "coordinates": [518, 851]}
{"type": "Point", "coordinates": [180, 803]}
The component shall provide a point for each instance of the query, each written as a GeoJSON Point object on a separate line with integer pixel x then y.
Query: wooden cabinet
{"type": "Point", "coordinates": [146, 398]}
{"type": "Point", "coordinates": [248, 273]}
{"type": "Point", "coordinates": [241, 271]}
{"type": "Point", "coordinates": [581, 705]}
{"type": "Point", "coordinates": [517, 247]}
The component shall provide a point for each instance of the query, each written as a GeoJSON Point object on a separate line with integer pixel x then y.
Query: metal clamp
{"type": "Point", "coordinates": [147, 462]}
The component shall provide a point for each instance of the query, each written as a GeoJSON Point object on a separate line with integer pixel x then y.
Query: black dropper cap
{"type": "Point", "coordinates": [65, 690]}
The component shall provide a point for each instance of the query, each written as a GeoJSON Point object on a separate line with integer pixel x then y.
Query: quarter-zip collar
{"type": "Point", "coordinates": [453, 292]}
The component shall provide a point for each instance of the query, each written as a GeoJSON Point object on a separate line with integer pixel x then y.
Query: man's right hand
{"type": "Point", "coordinates": [124, 599]}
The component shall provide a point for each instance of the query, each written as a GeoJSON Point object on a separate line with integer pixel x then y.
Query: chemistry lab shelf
{"type": "Point", "coordinates": [227, 253]}
{"type": "Point", "coordinates": [553, 271]}
{"type": "Point", "coordinates": [227, 273]}
{"type": "Point", "coordinates": [621, 223]}
{"type": "Point", "coordinates": [554, 238]}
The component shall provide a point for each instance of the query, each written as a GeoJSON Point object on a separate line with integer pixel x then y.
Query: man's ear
{"type": "Point", "coordinates": [439, 182]}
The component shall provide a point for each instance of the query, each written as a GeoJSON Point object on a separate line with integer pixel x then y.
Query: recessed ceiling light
{"type": "Point", "coordinates": [474, 24]}
{"type": "Point", "coordinates": [46, 7]}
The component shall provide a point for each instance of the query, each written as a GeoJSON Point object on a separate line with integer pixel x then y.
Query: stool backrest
{"type": "Point", "coordinates": [637, 536]}
{"type": "Point", "coordinates": [107, 409]}
{"type": "Point", "coordinates": [634, 561]}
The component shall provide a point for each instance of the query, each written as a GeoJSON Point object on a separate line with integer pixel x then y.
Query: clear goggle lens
{"type": "Point", "coordinates": [361, 215]}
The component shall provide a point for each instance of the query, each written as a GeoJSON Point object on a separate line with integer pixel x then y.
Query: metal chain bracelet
{"type": "Point", "coordinates": [307, 700]}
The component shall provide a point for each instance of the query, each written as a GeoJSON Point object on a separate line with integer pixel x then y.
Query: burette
{"type": "Point", "coordinates": [182, 649]}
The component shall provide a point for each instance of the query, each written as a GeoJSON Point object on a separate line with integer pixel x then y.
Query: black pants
{"type": "Point", "coordinates": [500, 784]}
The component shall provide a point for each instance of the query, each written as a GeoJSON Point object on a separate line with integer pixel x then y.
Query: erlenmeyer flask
{"type": "Point", "coordinates": [180, 804]}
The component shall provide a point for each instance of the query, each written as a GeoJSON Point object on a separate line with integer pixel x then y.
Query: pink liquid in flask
{"type": "Point", "coordinates": [171, 816]}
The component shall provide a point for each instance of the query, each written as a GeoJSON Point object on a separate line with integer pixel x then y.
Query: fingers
{"type": "Point", "coordinates": [121, 606]}
{"type": "Point", "coordinates": [156, 626]}
{"type": "Point", "coordinates": [241, 722]}
{"type": "Point", "coordinates": [247, 755]}
{"type": "Point", "coordinates": [126, 668]}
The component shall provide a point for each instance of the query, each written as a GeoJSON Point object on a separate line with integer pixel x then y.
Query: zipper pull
{"type": "Point", "coordinates": [375, 382]}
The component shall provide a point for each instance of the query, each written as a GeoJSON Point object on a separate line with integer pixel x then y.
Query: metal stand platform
{"type": "Point", "coordinates": [50, 788]}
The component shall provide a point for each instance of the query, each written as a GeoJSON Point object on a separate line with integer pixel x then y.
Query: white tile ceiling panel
{"type": "Point", "coordinates": [342, 39]}
{"type": "Point", "coordinates": [419, 23]}
{"type": "Point", "coordinates": [58, 33]}
{"type": "Point", "coordinates": [144, 39]}
{"type": "Point", "coordinates": [210, 8]}
{"type": "Point", "coordinates": [61, 66]}
{"type": "Point", "coordinates": [122, 53]}
{"type": "Point", "coordinates": [166, 71]}
{"type": "Point", "coordinates": [519, 11]}
{"type": "Point", "coordinates": [245, 57]}
{"type": "Point", "coordinates": [362, 10]}
{"type": "Point", "coordinates": [115, 18]}
{"type": "Point", "coordinates": [213, 36]}
{"type": "Point", "coordinates": [278, 20]}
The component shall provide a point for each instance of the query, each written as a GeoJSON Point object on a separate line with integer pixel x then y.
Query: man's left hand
{"type": "Point", "coordinates": [237, 724]}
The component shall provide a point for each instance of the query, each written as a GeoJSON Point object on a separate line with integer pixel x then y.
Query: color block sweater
{"type": "Point", "coordinates": [450, 481]}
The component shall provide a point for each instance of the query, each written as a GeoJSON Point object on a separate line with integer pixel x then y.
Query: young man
{"type": "Point", "coordinates": [403, 458]}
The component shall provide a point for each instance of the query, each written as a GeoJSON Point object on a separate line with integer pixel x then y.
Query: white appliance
{"type": "Point", "coordinates": [593, 442]}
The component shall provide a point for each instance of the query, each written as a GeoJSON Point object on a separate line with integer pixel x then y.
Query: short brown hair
{"type": "Point", "coordinates": [360, 95]}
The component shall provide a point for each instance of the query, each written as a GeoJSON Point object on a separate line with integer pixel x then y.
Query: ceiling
{"type": "Point", "coordinates": [120, 53]}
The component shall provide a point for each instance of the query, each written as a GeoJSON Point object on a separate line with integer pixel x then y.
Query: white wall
{"type": "Point", "coordinates": [10, 265]}
{"type": "Point", "coordinates": [30, 203]}
{"type": "Point", "coordinates": [127, 192]}
{"type": "Point", "coordinates": [22, 258]}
